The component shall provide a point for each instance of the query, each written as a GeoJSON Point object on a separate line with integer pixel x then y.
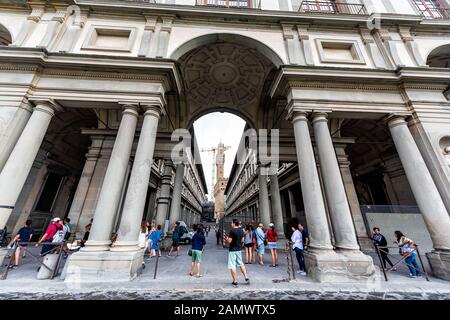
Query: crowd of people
{"type": "Point", "coordinates": [253, 241]}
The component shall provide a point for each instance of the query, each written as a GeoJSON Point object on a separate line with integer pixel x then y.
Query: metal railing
{"type": "Point", "coordinates": [434, 13]}
{"type": "Point", "coordinates": [57, 248]}
{"type": "Point", "coordinates": [332, 7]}
{"type": "Point", "coordinates": [383, 250]}
{"type": "Point", "coordinates": [249, 4]}
{"type": "Point", "coordinates": [389, 209]}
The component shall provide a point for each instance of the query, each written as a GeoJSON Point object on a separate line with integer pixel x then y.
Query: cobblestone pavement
{"type": "Point", "coordinates": [173, 282]}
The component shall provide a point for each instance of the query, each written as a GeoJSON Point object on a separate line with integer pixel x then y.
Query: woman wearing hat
{"type": "Point", "coordinates": [271, 237]}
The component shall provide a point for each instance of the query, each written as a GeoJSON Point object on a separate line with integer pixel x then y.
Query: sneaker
{"type": "Point", "coordinates": [247, 281]}
{"type": "Point", "coordinates": [272, 266]}
{"type": "Point", "coordinates": [302, 273]}
{"type": "Point", "coordinates": [411, 276]}
{"type": "Point", "coordinates": [235, 284]}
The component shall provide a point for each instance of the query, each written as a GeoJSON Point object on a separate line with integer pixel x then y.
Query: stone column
{"type": "Point", "coordinates": [109, 198]}
{"type": "Point", "coordinates": [164, 198]}
{"type": "Point", "coordinates": [292, 205]}
{"type": "Point", "coordinates": [133, 209]}
{"type": "Point", "coordinates": [276, 206]}
{"type": "Point", "coordinates": [18, 166]}
{"type": "Point", "coordinates": [309, 178]}
{"type": "Point", "coordinates": [84, 183]}
{"type": "Point", "coordinates": [425, 192]}
{"type": "Point", "coordinates": [13, 131]}
{"type": "Point", "coordinates": [341, 218]}
{"type": "Point", "coordinates": [176, 196]}
{"type": "Point", "coordinates": [264, 204]}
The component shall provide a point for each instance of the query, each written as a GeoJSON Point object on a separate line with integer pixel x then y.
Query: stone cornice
{"type": "Point", "coordinates": [365, 79]}
{"type": "Point", "coordinates": [92, 66]}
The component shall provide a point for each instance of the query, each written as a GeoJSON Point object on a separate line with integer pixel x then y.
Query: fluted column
{"type": "Point", "coordinates": [108, 200]}
{"type": "Point", "coordinates": [164, 197]}
{"type": "Point", "coordinates": [264, 205]}
{"type": "Point", "coordinates": [133, 209]}
{"type": "Point", "coordinates": [422, 185]}
{"type": "Point", "coordinates": [18, 166]}
{"type": "Point", "coordinates": [311, 191]}
{"type": "Point", "coordinates": [175, 206]}
{"type": "Point", "coordinates": [340, 215]}
{"type": "Point", "coordinates": [276, 206]}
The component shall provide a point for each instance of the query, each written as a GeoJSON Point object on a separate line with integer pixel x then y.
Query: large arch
{"type": "Point", "coordinates": [439, 57]}
{"type": "Point", "coordinates": [227, 38]}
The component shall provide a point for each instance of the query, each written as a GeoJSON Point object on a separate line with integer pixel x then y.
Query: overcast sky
{"type": "Point", "coordinates": [214, 128]}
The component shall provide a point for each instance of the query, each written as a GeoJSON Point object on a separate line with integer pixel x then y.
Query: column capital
{"type": "Point", "coordinates": [297, 115]}
{"type": "Point", "coordinates": [26, 105]}
{"type": "Point", "coordinates": [153, 110]}
{"type": "Point", "coordinates": [46, 105]}
{"type": "Point", "coordinates": [130, 108]}
{"type": "Point", "coordinates": [319, 116]}
{"type": "Point", "coordinates": [393, 120]}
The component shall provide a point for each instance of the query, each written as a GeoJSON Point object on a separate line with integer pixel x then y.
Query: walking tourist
{"type": "Point", "coordinates": [23, 235]}
{"type": "Point", "coordinates": [235, 240]}
{"type": "Point", "coordinates": [380, 241]}
{"type": "Point", "coordinates": [407, 247]}
{"type": "Point", "coordinates": [176, 235]}
{"type": "Point", "coordinates": [248, 244]}
{"type": "Point", "coordinates": [271, 237]}
{"type": "Point", "coordinates": [218, 235]}
{"type": "Point", "coordinates": [297, 246]}
{"type": "Point", "coordinates": [207, 231]}
{"type": "Point", "coordinates": [67, 234]}
{"type": "Point", "coordinates": [149, 237]}
{"type": "Point", "coordinates": [260, 242]}
{"type": "Point", "coordinates": [198, 241]}
{"type": "Point", "coordinates": [156, 237]}
{"type": "Point", "coordinates": [49, 236]}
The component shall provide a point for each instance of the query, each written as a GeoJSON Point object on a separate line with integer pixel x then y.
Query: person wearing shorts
{"type": "Point", "coordinates": [23, 235]}
{"type": "Point", "coordinates": [248, 243]}
{"type": "Point", "coordinates": [271, 237]}
{"type": "Point", "coordinates": [260, 238]}
{"type": "Point", "coordinates": [198, 241]}
{"type": "Point", "coordinates": [235, 240]}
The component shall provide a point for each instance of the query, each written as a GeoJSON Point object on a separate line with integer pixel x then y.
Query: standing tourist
{"type": "Point", "coordinates": [87, 231]}
{"type": "Point", "coordinates": [260, 242]}
{"type": "Point", "coordinates": [380, 241]}
{"type": "Point", "coordinates": [305, 235]}
{"type": "Point", "coordinates": [235, 239]}
{"type": "Point", "coordinates": [156, 237]}
{"type": "Point", "coordinates": [24, 235]}
{"type": "Point", "coordinates": [297, 246]}
{"type": "Point", "coordinates": [248, 244]}
{"type": "Point", "coordinates": [271, 237]}
{"type": "Point", "coordinates": [407, 250]}
{"type": "Point", "coordinates": [198, 241]}
{"type": "Point", "coordinates": [49, 235]}
{"type": "Point", "coordinates": [218, 235]}
{"type": "Point", "coordinates": [176, 235]}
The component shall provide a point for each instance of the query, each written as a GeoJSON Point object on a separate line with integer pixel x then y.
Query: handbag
{"type": "Point", "coordinates": [190, 252]}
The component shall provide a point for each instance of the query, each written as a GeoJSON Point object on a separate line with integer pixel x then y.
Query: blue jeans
{"type": "Point", "coordinates": [412, 264]}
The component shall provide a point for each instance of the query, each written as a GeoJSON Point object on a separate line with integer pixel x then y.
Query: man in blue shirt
{"type": "Point", "coordinates": [23, 235]}
{"type": "Point", "coordinates": [198, 241]}
{"type": "Point", "coordinates": [176, 235]}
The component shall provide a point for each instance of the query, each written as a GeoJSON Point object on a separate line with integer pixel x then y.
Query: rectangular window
{"type": "Point", "coordinates": [49, 192]}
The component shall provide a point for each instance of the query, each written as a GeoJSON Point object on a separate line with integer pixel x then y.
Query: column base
{"type": "Point", "coordinates": [85, 266]}
{"type": "Point", "coordinates": [440, 263]}
{"type": "Point", "coordinates": [340, 266]}
{"type": "Point", "coordinates": [366, 244]}
{"type": "Point", "coordinates": [97, 246]}
{"type": "Point", "coordinates": [3, 254]}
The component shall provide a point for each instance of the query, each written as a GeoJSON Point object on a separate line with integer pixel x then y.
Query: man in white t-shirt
{"type": "Point", "coordinates": [297, 246]}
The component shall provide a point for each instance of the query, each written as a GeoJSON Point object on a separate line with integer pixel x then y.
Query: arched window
{"type": "Point", "coordinates": [440, 57]}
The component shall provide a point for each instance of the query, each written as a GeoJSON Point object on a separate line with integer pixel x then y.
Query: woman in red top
{"type": "Point", "coordinates": [271, 237]}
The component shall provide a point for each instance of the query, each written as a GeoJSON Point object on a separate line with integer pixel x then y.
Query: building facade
{"type": "Point", "coordinates": [92, 90]}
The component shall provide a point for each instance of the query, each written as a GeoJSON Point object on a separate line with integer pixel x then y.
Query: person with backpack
{"type": "Point", "coordinates": [198, 241]}
{"type": "Point", "coordinates": [406, 248]}
{"type": "Point", "coordinates": [53, 234]}
{"type": "Point", "coordinates": [23, 235]}
{"type": "Point", "coordinates": [177, 233]}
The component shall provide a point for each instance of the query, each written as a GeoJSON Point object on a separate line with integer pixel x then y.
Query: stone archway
{"type": "Point", "coordinates": [439, 57]}
{"type": "Point", "coordinates": [224, 73]}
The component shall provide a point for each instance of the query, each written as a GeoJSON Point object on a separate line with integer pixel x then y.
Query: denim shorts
{"type": "Point", "coordinates": [261, 248]}
{"type": "Point", "coordinates": [273, 245]}
{"type": "Point", "coordinates": [235, 259]}
{"type": "Point", "coordinates": [196, 256]}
